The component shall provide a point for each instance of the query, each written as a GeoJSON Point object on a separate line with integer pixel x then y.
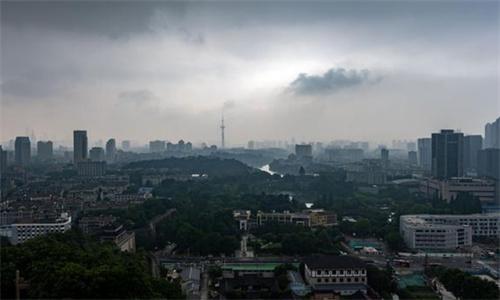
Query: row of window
{"type": "Point", "coordinates": [334, 280]}
{"type": "Point", "coordinates": [339, 272]}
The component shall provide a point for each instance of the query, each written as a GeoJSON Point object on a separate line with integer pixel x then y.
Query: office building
{"type": "Point", "coordinates": [425, 153]}
{"type": "Point", "coordinates": [447, 189]}
{"type": "Point", "coordinates": [447, 154]}
{"type": "Point", "coordinates": [3, 161]}
{"type": "Point", "coordinates": [285, 217]}
{"type": "Point", "coordinates": [384, 156]}
{"type": "Point", "coordinates": [111, 150]}
{"type": "Point", "coordinates": [412, 158]}
{"type": "Point", "coordinates": [80, 146]}
{"type": "Point", "coordinates": [489, 167]}
{"type": "Point", "coordinates": [125, 145]}
{"type": "Point", "coordinates": [251, 145]}
{"type": "Point", "coordinates": [91, 168]}
{"type": "Point", "coordinates": [44, 150]}
{"type": "Point", "coordinates": [492, 135]}
{"type": "Point", "coordinates": [447, 231]}
{"type": "Point", "coordinates": [20, 232]}
{"type": "Point", "coordinates": [97, 154]}
{"type": "Point", "coordinates": [411, 146]}
{"type": "Point", "coordinates": [329, 276]}
{"type": "Point", "coordinates": [22, 151]}
{"type": "Point", "coordinates": [472, 145]}
{"type": "Point", "coordinates": [156, 146]}
{"type": "Point", "coordinates": [303, 151]}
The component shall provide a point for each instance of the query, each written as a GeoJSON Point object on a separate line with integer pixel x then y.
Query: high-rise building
{"type": "Point", "coordinates": [489, 163]}
{"type": "Point", "coordinates": [447, 154]}
{"type": "Point", "coordinates": [96, 154]}
{"type": "Point", "coordinates": [492, 135]}
{"type": "Point", "coordinates": [80, 145]}
{"type": "Point", "coordinates": [251, 145]}
{"type": "Point", "coordinates": [22, 150]}
{"type": "Point", "coordinates": [412, 158]}
{"type": "Point", "coordinates": [126, 145]}
{"type": "Point", "coordinates": [411, 146]}
{"type": "Point", "coordinates": [44, 150]}
{"type": "Point", "coordinates": [425, 153]}
{"type": "Point", "coordinates": [111, 150]}
{"type": "Point", "coordinates": [384, 155]}
{"type": "Point", "coordinates": [3, 161]}
{"type": "Point", "coordinates": [472, 145]}
{"type": "Point", "coordinates": [223, 138]}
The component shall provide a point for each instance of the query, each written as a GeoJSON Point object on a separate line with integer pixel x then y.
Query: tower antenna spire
{"type": "Point", "coordinates": [222, 127]}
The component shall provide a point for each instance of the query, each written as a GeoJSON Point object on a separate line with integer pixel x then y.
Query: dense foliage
{"type": "Point", "coordinates": [464, 285]}
{"type": "Point", "coordinates": [71, 265]}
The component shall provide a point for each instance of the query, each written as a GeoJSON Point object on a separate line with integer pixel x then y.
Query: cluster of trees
{"type": "Point", "coordinates": [195, 165]}
{"type": "Point", "coordinates": [464, 285]}
{"type": "Point", "coordinates": [296, 240]}
{"type": "Point", "coordinates": [71, 265]}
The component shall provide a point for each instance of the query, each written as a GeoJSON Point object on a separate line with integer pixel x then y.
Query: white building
{"type": "Point", "coordinates": [447, 231]}
{"type": "Point", "coordinates": [21, 232]}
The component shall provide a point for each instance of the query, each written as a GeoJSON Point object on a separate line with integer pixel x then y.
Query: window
{"type": "Point", "coordinates": [319, 280]}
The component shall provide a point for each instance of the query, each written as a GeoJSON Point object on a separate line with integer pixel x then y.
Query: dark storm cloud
{"type": "Point", "coordinates": [331, 81]}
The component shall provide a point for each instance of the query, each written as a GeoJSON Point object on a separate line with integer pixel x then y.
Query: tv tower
{"type": "Point", "coordinates": [222, 127]}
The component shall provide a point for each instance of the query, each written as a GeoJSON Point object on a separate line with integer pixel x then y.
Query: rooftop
{"type": "Point", "coordinates": [333, 261]}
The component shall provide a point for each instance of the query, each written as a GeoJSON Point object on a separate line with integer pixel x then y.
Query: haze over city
{"type": "Point", "coordinates": [312, 71]}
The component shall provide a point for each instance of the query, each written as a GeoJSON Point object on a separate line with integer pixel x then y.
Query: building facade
{"type": "Point", "coordinates": [472, 145]}
{"type": "Point", "coordinates": [425, 153]}
{"type": "Point", "coordinates": [97, 154]}
{"type": "Point", "coordinates": [91, 168]}
{"type": "Point", "coordinates": [111, 150]}
{"type": "Point", "coordinates": [448, 189]}
{"type": "Point", "coordinates": [447, 154]}
{"type": "Point", "coordinates": [447, 231]}
{"type": "Point", "coordinates": [21, 232]}
{"type": "Point", "coordinates": [492, 135]}
{"type": "Point", "coordinates": [22, 148]}
{"type": "Point", "coordinates": [344, 275]}
{"type": "Point", "coordinates": [44, 150]}
{"type": "Point", "coordinates": [80, 146]}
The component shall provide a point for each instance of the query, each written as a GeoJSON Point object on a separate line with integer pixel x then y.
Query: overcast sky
{"type": "Point", "coordinates": [314, 71]}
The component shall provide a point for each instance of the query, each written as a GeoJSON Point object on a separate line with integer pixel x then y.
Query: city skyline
{"type": "Point", "coordinates": [314, 72]}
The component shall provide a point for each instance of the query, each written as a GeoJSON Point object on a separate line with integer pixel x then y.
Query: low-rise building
{"type": "Point", "coordinates": [448, 189]}
{"type": "Point", "coordinates": [91, 168]}
{"type": "Point", "coordinates": [344, 275]}
{"type": "Point", "coordinates": [21, 232]}
{"type": "Point", "coordinates": [123, 239]}
{"type": "Point", "coordinates": [447, 231]}
{"type": "Point", "coordinates": [285, 217]}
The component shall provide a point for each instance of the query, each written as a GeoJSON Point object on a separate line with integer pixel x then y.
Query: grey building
{"type": "Point", "coordinates": [3, 161]}
{"type": "Point", "coordinates": [492, 135]}
{"type": "Point", "coordinates": [384, 156]}
{"type": "Point", "coordinates": [91, 168]}
{"type": "Point", "coordinates": [425, 153]}
{"type": "Point", "coordinates": [44, 150]}
{"type": "Point", "coordinates": [125, 145]}
{"type": "Point", "coordinates": [412, 158]}
{"type": "Point", "coordinates": [22, 150]}
{"type": "Point", "coordinates": [447, 154]}
{"type": "Point", "coordinates": [80, 146]}
{"type": "Point", "coordinates": [303, 151]}
{"type": "Point", "coordinates": [96, 154]}
{"type": "Point", "coordinates": [111, 150]}
{"type": "Point", "coordinates": [447, 231]}
{"type": "Point", "coordinates": [472, 145]}
{"type": "Point", "coordinates": [156, 146]}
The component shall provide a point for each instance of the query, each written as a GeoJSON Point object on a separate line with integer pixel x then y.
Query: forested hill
{"type": "Point", "coordinates": [211, 166]}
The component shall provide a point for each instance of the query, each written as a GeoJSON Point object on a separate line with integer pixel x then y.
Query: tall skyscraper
{"type": "Point", "coordinates": [44, 150]}
{"type": "Point", "coordinates": [425, 153]}
{"type": "Point", "coordinates": [492, 135]}
{"type": "Point", "coordinates": [22, 151]}
{"type": "Point", "coordinates": [80, 146]}
{"type": "Point", "coordinates": [472, 145]}
{"type": "Point", "coordinates": [111, 150]}
{"type": "Point", "coordinates": [3, 161]}
{"type": "Point", "coordinates": [303, 151]}
{"type": "Point", "coordinates": [447, 154]}
{"type": "Point", "coordinates": [384, 154]}
{"type": "Point", "coordinates": [97, 154]}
